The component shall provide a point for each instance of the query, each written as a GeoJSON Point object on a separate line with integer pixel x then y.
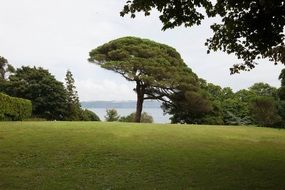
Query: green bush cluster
{"type": "Point", "coordinates": [12, 108]}
{"type": "Point", "coordinates": [87, 115]}
{"type": "Point", "coordinates": [145, 118]}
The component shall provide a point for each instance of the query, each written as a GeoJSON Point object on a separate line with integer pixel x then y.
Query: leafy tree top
{"type": "Point", "coordinates": [157, 69]}
{"type": "Point", "coordinates": [144, 61]}
{"type": "Point", "coordinates": [48, 95]}
{"type": "Point", "coordinates": [248, 29]}
{"type": "Point", "coordinates": [263, 89]}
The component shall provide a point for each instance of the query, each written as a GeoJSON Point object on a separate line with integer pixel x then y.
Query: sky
{"type": "Point", "coordinates": [59, 34]}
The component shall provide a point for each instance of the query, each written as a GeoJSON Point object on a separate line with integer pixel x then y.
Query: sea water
{"type": "Point", "coordinates": [156, 113]}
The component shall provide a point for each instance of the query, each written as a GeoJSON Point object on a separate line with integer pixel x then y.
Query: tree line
{"type": "Point", "coordinates": [51, 99]}
{"type": "Point", "coordinates": [260, 104]}
{"type": "Point", "coordinates": [251, 30]}
{"type": "Point", "coordinates": [160, 73]}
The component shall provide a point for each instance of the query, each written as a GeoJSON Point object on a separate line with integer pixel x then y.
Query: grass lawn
{"type": "Point", "coordinates": [99, 155]}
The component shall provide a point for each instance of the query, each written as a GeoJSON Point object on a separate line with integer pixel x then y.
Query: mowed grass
{"type": "Point", "coordinates": [99, 155]}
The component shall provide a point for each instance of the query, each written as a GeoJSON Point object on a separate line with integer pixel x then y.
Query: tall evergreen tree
{"type": "Point", "coordinates": [73, 105]}
{"type": "Point", "coordinates": [70, 88]}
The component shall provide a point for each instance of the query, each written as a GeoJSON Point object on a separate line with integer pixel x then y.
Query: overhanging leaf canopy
{"type": "Point", "coordinates": [152, 64]}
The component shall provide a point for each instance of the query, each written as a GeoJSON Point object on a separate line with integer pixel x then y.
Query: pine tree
{"type": "Point", "coordinates": [157, 69]}
{"type": "Point", "coordinates": [73, 104]}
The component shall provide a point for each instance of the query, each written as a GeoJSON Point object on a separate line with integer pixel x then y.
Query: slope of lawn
{"type": "Point", "coordinates": [94, 155]}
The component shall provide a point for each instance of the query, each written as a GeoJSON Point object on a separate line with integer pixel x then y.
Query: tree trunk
{"type": "Point", "coordinates": [140, 98]}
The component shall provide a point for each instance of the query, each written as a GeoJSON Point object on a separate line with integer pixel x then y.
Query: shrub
{"type": "Point", "coordinates": [112, 115]}
{"type": "Point", "coordinates": [12, 108]}
{"type": "Point", "coordinates": [145, 118]}
{"type": "Point", "coordinates": [87, 115]}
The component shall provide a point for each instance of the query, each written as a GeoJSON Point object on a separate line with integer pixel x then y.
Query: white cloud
{"type": "Point", "coordinates": [104, 90]}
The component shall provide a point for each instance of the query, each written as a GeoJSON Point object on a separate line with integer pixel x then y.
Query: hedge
{"type": "Point", "coordinates": [15, 109]}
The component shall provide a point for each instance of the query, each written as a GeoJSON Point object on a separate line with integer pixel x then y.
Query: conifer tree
{"type": "Point", "coordinates": [157, 69]}
{"type": "Point", "coordinates": [73, 104]}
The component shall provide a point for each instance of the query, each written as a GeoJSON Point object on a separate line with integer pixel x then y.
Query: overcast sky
{"type": "Point", "coordinates": [59, 34]}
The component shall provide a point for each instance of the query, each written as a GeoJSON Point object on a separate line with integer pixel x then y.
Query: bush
{"type": "Point", "coordinates": [14, 109]}
{"type": "Point", "coordinates": [112, 115]}
{"type": "Point", "coordinates": [145, 118]}
{"type": "Point", "coordinates": [87, 115]}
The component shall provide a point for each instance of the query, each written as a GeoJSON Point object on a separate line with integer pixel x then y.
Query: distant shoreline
{"type": "Point", "coordinates": [119, 104]}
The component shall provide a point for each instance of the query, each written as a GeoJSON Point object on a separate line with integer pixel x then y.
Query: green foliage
{"type": "Point", "coordinates": [244, 95]}
{"type": "Point", "coordinates": [281, 98]}
{"type": "Point", "coordinates": [248, 29]}
{"type": "Point", "coordinates": [112, 115]}
{"type": "Point", "coordinates": [73, 105]}
{"type": "Point", "coordinates": [128, 118]}
{"type": "Point", "coordinates": [87, 115]}
{"type": "Point", "coordinates": [48, 95]}
{"type": "Point", "coordinates": [74, 111]}
{"type": "Point", "coordinates": [216, 92]}
{"type": "Point", "coordinates": [224, 106]}
{"type": "Point", "coordinates": [145, 118]}
{"type": "Point", "coordinates": [12, 108]}
{"type": "Point", "coordinates": [264, 111]}
{"type": "Point", "coordinates": [251, 30]}
{"type": "Point", "coordinates": [187, 107]}
{"type": "Point", "coordinates": [281, 112]}
{"type": "Point", "coordinates": [174, 13]}
{"type": "Point", "coordinates": [157, 69]}
{"type": "Point", "coordinates": [235, 107]}
{"type": "Point", "coordinates": [263, 89]}
{"type": "Point", "coordinates": [281, 93]}
{"type": "Point", "coordinates": [236, 112]}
